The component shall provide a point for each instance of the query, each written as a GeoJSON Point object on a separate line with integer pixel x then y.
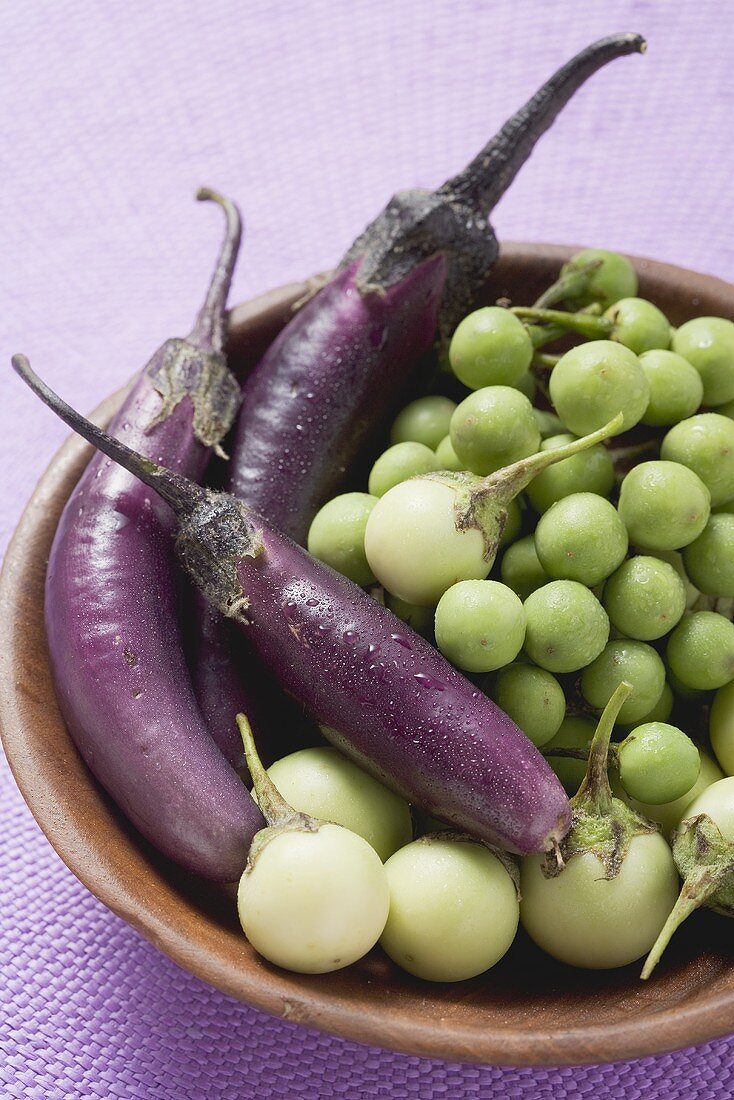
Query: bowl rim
{"type": "Point", "coordinates": [126, 889]}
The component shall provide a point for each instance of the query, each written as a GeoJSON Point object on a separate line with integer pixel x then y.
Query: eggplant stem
{"type": "Point", "coordinates": [595, 793]}
{"type": "Point", "coordinates": [486, 178]}
{"type": "Point", "coordinates": [543, 334]}
{"type": "Point", "coordinates": [511, 480]}
{"type": "Point", "coordinates": [210, 330]}
{"type": "Point", "coordinates": [273, 806]}
{"type": "Point", "coordinates": [181, 494]}
{"type": "Point", "coordinates": [581, 754]}
{"type": "Point", "coordinates": [593, 328]}
{"type": "Point", "coordinates": [697, 887]}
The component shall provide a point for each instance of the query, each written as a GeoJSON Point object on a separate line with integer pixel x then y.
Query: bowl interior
{"type": "Point", "coordinates": [528, 1009]}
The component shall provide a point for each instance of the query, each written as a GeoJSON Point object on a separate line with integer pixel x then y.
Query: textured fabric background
{"type": "Point", "coordinates": [311, 113]}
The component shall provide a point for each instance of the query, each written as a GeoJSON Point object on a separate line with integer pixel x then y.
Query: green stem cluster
{"type": "Point", "coordinates": [584, 323]}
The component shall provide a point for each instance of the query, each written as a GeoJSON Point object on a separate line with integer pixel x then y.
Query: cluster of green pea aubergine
{"type": "Point", "coordinates": [611, 592]}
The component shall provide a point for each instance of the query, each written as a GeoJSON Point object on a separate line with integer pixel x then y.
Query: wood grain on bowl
{"type": "Point", "coordinates": [528, 1010]}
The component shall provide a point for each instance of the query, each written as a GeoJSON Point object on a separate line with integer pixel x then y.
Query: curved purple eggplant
{"type": "Point", "coordinates": [112, 614]}
{"type": "Point", "coordinates": [389, 700]}
{"type": "Point", "coordinates": [339, 367]}
{"type": "Point", "coordinates": [401, 710]}
{"type": "Point", "coordinates": [326, 399]}
{"type": "Point", "coordinates": [328, 379]}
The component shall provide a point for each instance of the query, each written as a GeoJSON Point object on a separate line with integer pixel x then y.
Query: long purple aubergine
{"type": "Point", "coordinates": [336, 371]}
{"type": "Point", "coordinates": [227, 680]}
{"type": "Point", "coordinates": [400, 709]}
{"type": "Point", "coordinates": [112, 607]}
{"type": "Point", "coordinates": [341, 366]}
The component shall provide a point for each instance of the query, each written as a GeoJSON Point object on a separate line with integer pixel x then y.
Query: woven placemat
{"type": "Point", "coordinates": [311, 114]}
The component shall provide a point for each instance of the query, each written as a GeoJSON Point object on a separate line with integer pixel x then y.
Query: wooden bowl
{"type": "Point", "coordinates": [528, 1010]}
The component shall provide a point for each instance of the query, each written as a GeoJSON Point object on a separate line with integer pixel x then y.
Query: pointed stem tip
{"type": "Point", "coordinates": [209, 331]}
{"type": "Point", "coordinates": [558, 854]}
{"type": "Point", "coordinates": [177, 491]}
{"type": "Point", "coordinates": [511, 480]}
{"type": "Point", "coordinates": [705, 860]}
{"type": "Point", "coordinates": [691, 897]}
{"type": "Point", "coordinates": [486, 178]}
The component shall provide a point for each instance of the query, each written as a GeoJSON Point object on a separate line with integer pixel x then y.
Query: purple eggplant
{"type": "Point", "coordinates": [338, 370]}
{"type": "Point", "coordinates": [385, 696]}
{"type": "Point", "coordinates": [227, 681]}
{"type": "Point", "coordinates": [327, 400]}
{"type": "Point", "coordinates": [112, 607]}
{"type": "Point", "coordinates": [328, 379]}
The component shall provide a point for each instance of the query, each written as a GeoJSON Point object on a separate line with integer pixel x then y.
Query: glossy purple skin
{"type": "Point", "coordinates": [401, 710]}
{"type": "Point", "coordinates": [220, 683]}
{"type": "Point", "coordinates": [113, 625]}
{"type": "Point", "coordinates": [332, 375]}
{"type": "Point", "coordinates": [228, 681]}
{"type": "Point", "coordinates": [341, 365]}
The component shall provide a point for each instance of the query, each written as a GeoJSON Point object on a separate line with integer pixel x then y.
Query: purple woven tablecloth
{"type": "Point", "coordinates": [311, 114]}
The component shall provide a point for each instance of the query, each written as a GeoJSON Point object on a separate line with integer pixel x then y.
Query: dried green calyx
{"type": "Point", "coordinates": [476, 504]}
{"type": "Point", "coordinates": [279, 814]}
{"type": "Point", "coordinates": [482, 502]}
{"type": "Point", "coordinates": [601, 824]}
{"type": "Point", "coordinates": [705, 862]}
{"type": "Point", "coordinates": [700, 851]}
